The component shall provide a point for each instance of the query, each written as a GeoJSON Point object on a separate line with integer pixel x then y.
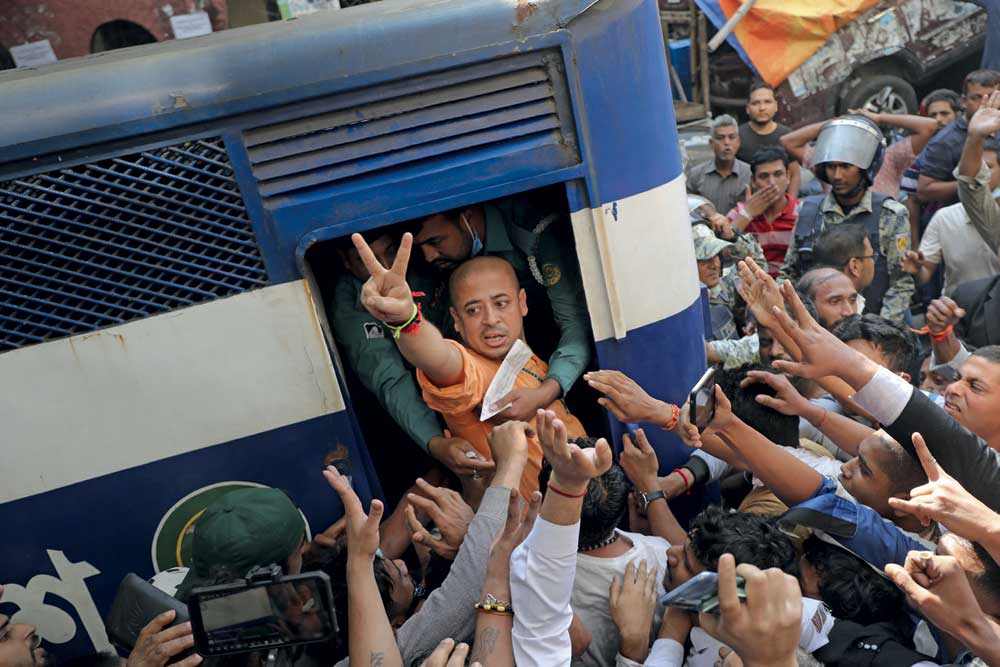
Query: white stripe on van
{"type": "Point", "coordinates": [637, 259]}
{"type": "Point", "coordinates": [97, 403]}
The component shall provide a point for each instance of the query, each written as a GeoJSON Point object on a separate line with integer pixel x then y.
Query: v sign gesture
{"type": "Point", "coordinates": [387, 295]}
{"type": "Point", "coordinates": [943, 499]}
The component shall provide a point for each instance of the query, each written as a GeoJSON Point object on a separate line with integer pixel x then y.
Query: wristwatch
{"type": "Point", "coordinates": [646, 498]}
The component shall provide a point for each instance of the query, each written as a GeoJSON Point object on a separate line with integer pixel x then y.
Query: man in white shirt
{"type": "Point", "coordinates": [543, 567]}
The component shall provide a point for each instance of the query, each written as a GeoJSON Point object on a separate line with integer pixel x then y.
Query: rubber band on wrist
{"type": "Point", "coordinates": [936, 336]}
{"type": "Point", "coordinates": [675, 413]}
{"type": "Point", "coordinates": [687, 484]}
{"type": "Point", "coordinates": [410, 326]}
{"type": "Point", "coordinates": [564, 494]}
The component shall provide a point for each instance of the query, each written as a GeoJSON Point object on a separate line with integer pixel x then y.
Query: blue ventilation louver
{"type": "Point", "coordinates": [100, 244]}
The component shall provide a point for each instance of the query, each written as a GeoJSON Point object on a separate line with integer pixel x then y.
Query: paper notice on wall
{"type": "Point", "coordinates": [191, 25]}
{"type": "Point", "coordinates": [503, 381]}
{"type": "Point", "coordinates": [33, 54]}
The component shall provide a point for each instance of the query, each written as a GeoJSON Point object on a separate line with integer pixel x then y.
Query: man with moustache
{"type": "Point", "coordinates": [849, 152]}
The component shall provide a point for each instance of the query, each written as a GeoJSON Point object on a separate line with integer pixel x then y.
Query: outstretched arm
{"type": "Point", "coordinates": [788, 478]}
{"type": "Point", "coordinates": [388, 297]}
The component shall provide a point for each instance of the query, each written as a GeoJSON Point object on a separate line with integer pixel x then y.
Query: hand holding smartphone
{"type": "Point", "coordinates": [702, 401]}
{"type": "Point", "coordinates": [700, 594]}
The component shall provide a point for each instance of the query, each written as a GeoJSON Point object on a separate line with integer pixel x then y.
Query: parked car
{"type": "Point", "coordinates": [877, 62]}
{"type": "Point", "coordinates": [80, 27]}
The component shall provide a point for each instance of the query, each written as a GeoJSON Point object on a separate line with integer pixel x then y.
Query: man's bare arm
{"type": "Point", "coordinates": [387, 296]}
{"type": "Point", "coordinates": [932, 189]}
{"type": "Point", "coordinates": [795, 141]}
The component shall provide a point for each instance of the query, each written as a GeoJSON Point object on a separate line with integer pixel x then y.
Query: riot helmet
{"type": "Point", "coordinates": [852, 139]}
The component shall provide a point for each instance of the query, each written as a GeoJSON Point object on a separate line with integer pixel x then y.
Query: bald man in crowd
{"type": "Point", "coordinates": [832, 291]}
{"type": "Point", "coordinates": [488, 306]}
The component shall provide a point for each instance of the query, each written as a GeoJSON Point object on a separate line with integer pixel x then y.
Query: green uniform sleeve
{"type": "Point", "coordinates": [372, 354]}
{"type": "Point", "coordinates": [737, 353]}
{"type": "Point", "coordinates": [894, 236]}
{"type": "Point", "coordinates": [790, 267]}
{"type": "Point", "coordinates": [569, 308]}
{"type": "Point", "coordinates": [747, 245]}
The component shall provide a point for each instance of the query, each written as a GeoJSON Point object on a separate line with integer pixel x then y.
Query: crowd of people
{"type": "Point", "coordinates": [855, 437]}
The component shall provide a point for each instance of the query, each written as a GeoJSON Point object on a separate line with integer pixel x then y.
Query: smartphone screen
{"type": "Point", "coordinates": [700, 593]}
{"type": "Point", "coordinates": [232, 619]}
{"type": "Point", "coordinates": [702, 401]}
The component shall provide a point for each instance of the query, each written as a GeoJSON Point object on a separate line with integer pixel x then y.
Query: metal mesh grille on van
{"type": "Point", "coordinates": [413, 126]}
{"type": "Point", "coordinates": [103, 243]}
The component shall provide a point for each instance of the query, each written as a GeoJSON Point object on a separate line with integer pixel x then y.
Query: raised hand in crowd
{"type": "Point", "coordinates": [493, 645]}
{"type": "Point", "coordinates": [633, 602]}
{"type": "Point", "coordinates": [939, 589]}
{"type": "Point", "coordinates": [641, 466]}
{"type": "Point", "coordinates": [759, 291]}
{"type": "Point", "coordinates": [786, 400]}
{"type": "Point", "coordinates": [369, 633]}
{"type": "Point", "coordinates": [509, 447]}
{"type": "Point", "coordinates": [454, 454]}
{"type": "Point", "coordinates": [913, 261]}
{"type": "Point", "coordinates": [329, 539]}
{"type": "Point", "coordinates": [157, 644]}
{"type": "Point", "coordinates": [944, 500]}
{"type": "Point", "coordinates": [628, 402]}
{"type": "Point", "coordinates": [572, 466]}
{"type": "Point", "coordinates": [986, 121]}
{"type": "Point", "coordinates": [386, 294]}
{"type": "Point", "coordinates": [765, 630]}
{"type": "Point", "coordinates": [449, 513]}
{"type": "Point", "coordinates": [448, 654]}
{"type": "Point", "coordinates": [942, 313]}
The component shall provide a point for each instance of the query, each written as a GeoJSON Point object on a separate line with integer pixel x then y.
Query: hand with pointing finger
{"type": "Point", "coordinates": [943, 499]}
{"type": "Point", "coordinates": [386, 294]}
{"type": "Point", "coordinates": [362, 529]}
{"type": "Point", "coordinates": [449, 513]}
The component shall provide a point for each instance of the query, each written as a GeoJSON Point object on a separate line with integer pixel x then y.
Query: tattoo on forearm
{"type": "Point", "coordinates": [486, 643]}
{"type": "Point", "coordinates": [377, 659]}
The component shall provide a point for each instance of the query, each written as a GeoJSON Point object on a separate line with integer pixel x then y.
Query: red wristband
{"type": "Point", "coordinates": [675, 414]}
{"type": "Point", "coordinates": [687, 484]}
{"type": "Point", "coordinates": [564, 494]}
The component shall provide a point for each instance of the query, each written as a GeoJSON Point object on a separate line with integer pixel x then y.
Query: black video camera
{"type": "Point", "coordinates": [265, 611]}
{"type": "Point", "coordinates": [262, 612]}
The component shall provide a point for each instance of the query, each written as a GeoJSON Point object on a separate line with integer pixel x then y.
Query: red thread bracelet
{"type": "Point", "coordinates": [687, 484]}
{"type": "Point", "coordinates": [822, 420]}
{"type": "Point", "coordinates": [675, 414]}
{"type": "Point", "coordinates": [564, 494]}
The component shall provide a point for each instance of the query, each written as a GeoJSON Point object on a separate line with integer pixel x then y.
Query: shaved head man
{"type": "Point", "coordinates": [834, 294]}
{"type": "Point", "coordinates": [488, 305]}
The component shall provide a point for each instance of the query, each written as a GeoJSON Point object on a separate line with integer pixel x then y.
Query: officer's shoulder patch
{"type": "Point", "coordinates": [551, 273]}
{"type": "Point", "coordinates": [895, 207]}
{"type": "Point", "coordinates": [902, 242]}
{"type": "Point", "coordinates": [373, 330]}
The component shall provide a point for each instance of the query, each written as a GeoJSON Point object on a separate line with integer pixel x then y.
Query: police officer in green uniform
{"type": "Point", "coordinates": [848, 154]}
{"type": "Point", "coordinates": [536, 245]}
{"type": "Point", "coordinates": [369, 350]}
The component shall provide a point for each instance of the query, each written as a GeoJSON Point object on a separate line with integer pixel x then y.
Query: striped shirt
{"type": "Point", "coordinates": [773, 236]}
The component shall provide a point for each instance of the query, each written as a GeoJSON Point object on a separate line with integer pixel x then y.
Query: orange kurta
{"type": "Point", "coordinates": [460, 404]}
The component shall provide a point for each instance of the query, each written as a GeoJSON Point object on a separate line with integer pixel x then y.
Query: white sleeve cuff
{"type": "Point", "coordinates": [552, 540]}
{"type": "Point", "coordinates": [717, 468]}
{"type": "Point", "coordinates": [885, 396]}
{"type": "Point", "coordinates": [665, 653]}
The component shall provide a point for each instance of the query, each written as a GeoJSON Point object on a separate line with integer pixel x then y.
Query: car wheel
{"type": "Point", "coordinates": [883, 93]}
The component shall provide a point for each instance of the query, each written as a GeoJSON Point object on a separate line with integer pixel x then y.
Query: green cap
{"type": "Point", "coordinates": [706, 244]}
{"type": "Point", "coordinates": [244, 529]}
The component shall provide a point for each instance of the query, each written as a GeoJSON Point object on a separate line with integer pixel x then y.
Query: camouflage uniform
{"type": "Point", "coordinates": [893, 241]}
{"type": "Point", "coordinates": [706, 246]}
{"type": "Point", "coordinates": [737, 353]}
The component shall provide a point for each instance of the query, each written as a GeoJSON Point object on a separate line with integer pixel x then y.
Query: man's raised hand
{"type": "Point", "coordinates": [362, 529]}
{"type": "Point", "coordinates": [572, 467]}
{"type": "Point", "coordinates": [759, 291]}
{"type": "Point", "coordinates": [386, 294]}
{"type": "Point", "coordinates": [943, 499]}
{"type": "Point", "coordinates": [822, 353]}
{"type": "Point", "coordinates": [986, 121]}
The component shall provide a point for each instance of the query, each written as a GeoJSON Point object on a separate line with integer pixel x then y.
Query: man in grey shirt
{"type": "Point", "coordinates": [449, 610]}
{"type": "Point", "coordinates": [722, 180]}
